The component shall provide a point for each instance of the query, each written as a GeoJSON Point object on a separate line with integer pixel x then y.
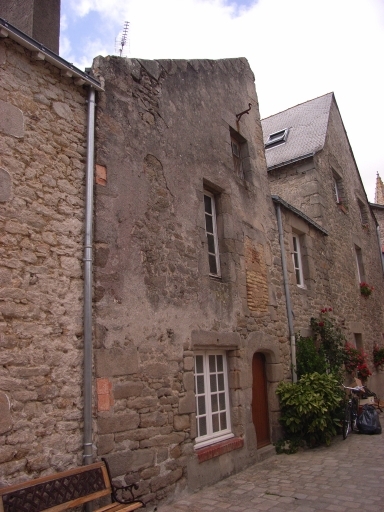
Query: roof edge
{"type": "Point", "coordinates": [278, 199]}
{"type": "Point", "coordinates": [293, 160]}
{"type": "Point", "coordinates": [43, 53]}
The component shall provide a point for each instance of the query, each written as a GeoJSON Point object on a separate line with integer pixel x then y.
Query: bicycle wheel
{"type": "Point", "coordinates": [347, 421]}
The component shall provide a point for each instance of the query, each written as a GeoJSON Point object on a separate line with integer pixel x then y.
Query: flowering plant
{"type": "Point", "coordinates": [356, 361]}
{"type": "Point", "coordinates": [378, 356]}
{"type": "Point", "coordinates": [365, 289]}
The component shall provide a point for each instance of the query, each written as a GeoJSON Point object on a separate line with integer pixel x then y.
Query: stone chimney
{"type": "Point", "coordinates": [379, 192]}
{"type": "Point", "coordinates": [39, 19]}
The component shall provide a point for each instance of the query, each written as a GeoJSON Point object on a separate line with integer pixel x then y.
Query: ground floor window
{"type": "Point", "coordinates": [212, 398]}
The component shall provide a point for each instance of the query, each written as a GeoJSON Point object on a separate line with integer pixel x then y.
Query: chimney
{"type": "Point", "coordinates": [39, 19]}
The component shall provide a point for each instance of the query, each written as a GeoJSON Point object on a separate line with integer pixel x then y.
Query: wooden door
{"type": "Point", "coordinates": [260, 400]}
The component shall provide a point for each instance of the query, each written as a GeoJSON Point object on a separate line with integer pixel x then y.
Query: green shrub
{"type": "Point", "coordinates": [310, 410]}
{"type": "Point", "coordinates": [309, 359]}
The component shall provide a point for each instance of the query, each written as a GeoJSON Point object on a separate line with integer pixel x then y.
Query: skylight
{"type": "Point", "coordinates": [277, 138]}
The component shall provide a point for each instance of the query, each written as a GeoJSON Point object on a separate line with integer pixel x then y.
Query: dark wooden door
{"type": "Point", "coordinates": [260, 400]}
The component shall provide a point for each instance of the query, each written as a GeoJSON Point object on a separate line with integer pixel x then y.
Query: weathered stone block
{"type": "Point", "coordinates": [153, 419]}
{"type": "Point", "coordinates": [118, 422]}
{"type": "Point", "coordinates": [128, 389]}
{"type": "Point", "coordinates": [5, 186]}
{"type": "Point", "coordinates": [11, 120]}
{"type": "Point", "coordinates": [116, 361]}
{"type": "Point", "coordinates": [5, 413]}
{"type": "Point", "coordinates": [124, 462]}
{"type": "Point", "coordinates": [181, 422]}
{"type": "Point", "coordinates": [105, 444]}
{"type": "Point", "coordinates": [187, 403]}
{"type": "Point", "coordinates": [166, 480]}
{"type": "Point", "coordinates": [189, 381]}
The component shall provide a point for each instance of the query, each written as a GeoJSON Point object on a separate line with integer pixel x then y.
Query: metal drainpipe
{"type": "Point", "coordinates": [287, 294]}
{"type": "Point", "coordinates": [88, 452]}
{"type": "Point", "coordinates": [380, 250]}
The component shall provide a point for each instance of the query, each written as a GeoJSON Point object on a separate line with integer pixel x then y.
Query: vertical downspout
{"type": "Point", "coordinates": [88, 452]}
{"type": "Point", "coordinates": [287, 294]}
{"type": "Point", "coordinates": [380, 250]}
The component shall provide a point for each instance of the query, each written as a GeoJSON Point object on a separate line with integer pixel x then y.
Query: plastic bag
{"type": "Point", "coordinates": [368, 421]}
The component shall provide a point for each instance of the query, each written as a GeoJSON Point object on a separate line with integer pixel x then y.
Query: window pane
{"type": "Point", "coordinates": [212, 264]}
{"type": "Point", "coordinates": [212, 364]}
{"type": "Point", "coordinates": [202, 426]}
{"type": "Point", "coordinates": [220, 382]}
{"type": "Point", "coordinates": [201, 405]}
{"type": "Point", "coordinates": [223, 420]}
{"type": "Point", "coordinates": [298, 280]}
{"type": "Point", "coordinates": [213, 383]}
{"type": "Point", "coordinates": [200, 384]}
{"type": "Point", "coordinates": [219, 360]}
{"type": "Point", "coordinates": [294, 244]}
{"type": "Point", "coordinates": [211, 244]}
{"type": "Point", "coordinates": [222, 401]}
{"type": "Point", "coordinates": [208, 204]}
{"type": "Point", "coordinates": [215, 423]}
{"type": "Point", "coordinates": [199, 364]}
{"type": "Point", "coordinates": [214, 403]}
{"type": "Point", "coordinates": [209, 224]}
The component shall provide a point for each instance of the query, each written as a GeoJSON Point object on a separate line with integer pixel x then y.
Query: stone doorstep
{"type": "Point", "coordinates": [209, 452]}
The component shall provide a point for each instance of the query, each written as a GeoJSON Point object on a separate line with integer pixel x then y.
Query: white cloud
{"type": "Point", "coordinates": [298, 49]}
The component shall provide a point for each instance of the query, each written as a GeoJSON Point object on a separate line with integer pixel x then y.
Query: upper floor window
{"type": "Point", "coordinates": [363, 212]}
{"type": "Point", "coordinates": [211, 232]}
{"type": "Point", "coordinates": [239, 152]}
{"type": "Point", "coordinates": [212, 397]}
{"type": "Point", "coordinates": [276, 138]}
{"type": "Point", "coordinates": [359, 264]}
{"type": "Point", "coordinates": [297, 260]}
{"type": "Point", "coordinates": [338, 188]}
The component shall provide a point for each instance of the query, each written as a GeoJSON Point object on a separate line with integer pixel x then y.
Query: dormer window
{"type": "Point", "coordinates": [277, 138]}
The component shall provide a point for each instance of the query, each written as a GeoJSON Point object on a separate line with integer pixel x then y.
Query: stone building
{"type": "Point", "coordinates": [198, 291]}
{"type": "Point", "coordinates": [311, 166]}
{"type": "Point", "coordinates": [43, 107]}
{"type": "Point", "coordinates": [378, 209]}
{"type": "Point", "coordinates": [185, 274]}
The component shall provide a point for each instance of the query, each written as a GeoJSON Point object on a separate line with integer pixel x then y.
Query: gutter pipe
{"type": "Point", "coordinates": [87, 325]}
{"type": "Point", "coordinates": [380, 249]}
{"type": "Point", "coordinates": [287, 294]}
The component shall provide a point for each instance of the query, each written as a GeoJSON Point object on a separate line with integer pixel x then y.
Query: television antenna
{"type": "Point", "coordinates": [123, 39]}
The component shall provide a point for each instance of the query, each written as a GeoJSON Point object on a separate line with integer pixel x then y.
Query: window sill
{"type": "Point", "coordinates": [217, 449]}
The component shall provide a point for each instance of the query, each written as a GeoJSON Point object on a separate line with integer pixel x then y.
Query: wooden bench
{"type": "Point", "coordinates": [68, 489]}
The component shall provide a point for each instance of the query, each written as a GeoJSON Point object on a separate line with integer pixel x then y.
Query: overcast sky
{"type": "Point", "coordinates": [298, 50]}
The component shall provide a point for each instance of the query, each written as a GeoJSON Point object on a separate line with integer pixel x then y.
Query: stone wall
{"type": "Point", "coordinates": [163, 139]}
{"type": "Point", "coordinates": [42, 153]}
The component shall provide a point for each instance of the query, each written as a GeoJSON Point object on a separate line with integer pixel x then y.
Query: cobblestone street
{"type": "Point", "coordinates": [347, 476]}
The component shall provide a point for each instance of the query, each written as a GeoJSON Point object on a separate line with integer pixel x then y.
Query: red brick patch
{"type": "Point", "coordinates": [208, 452]}
{"type": "Point", "coordinates": [104, 394]}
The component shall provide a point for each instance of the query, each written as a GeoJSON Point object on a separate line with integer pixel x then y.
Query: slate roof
{"type": "Point", "coordinates": [307, 124]}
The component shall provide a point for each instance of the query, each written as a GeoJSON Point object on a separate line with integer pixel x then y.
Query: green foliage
{"type": "Point", "coordinates": [310, 410]}
{"type": "Point", "coordinates": [378, 356]}
{"type": "Point", "coordinates": [330, 338]}
{"type": "Point", "coordinates": [309, 359]}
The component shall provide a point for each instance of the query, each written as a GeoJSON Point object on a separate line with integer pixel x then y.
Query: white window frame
{"type": "Point", "coordinates": [212, 254]}
{"type": "Point", "coordinates": [208, 400]}
{"type": "Point", "coordinates": [337, 192]}
{"type": "Point", "coordinates": [297, 260]}
{"type": "Point", "coordinates": [276, 138]}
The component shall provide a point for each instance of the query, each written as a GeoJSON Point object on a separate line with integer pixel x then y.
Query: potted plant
{"type": "Point", "coordinates": [378, 356]}
{"type": "Point", "coordinates": [366, 289]}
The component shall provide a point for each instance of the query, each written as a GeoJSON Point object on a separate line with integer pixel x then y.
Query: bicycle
{"type": "Point", "coordinates": [351, 410]}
